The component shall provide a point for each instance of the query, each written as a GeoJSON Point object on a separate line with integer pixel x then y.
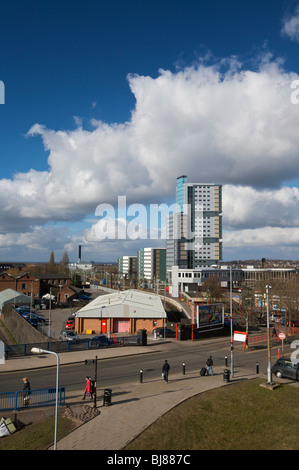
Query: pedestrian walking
{"type": "Point", "coordinates": [165, 371]}
{"type": "Point", "coordinates": [26, 391]}
{"type": "Point", "coordinates": [273, 332]}
{"type": "Point", "coordinates": [209, 365]}
{"type": "Point", "coordinates": [88, 388]}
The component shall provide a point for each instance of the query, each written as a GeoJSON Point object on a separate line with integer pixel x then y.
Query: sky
{"type": "Point", "coordinates": [107, 98]}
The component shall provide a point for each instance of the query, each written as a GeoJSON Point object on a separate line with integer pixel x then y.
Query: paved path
{"type": "Point", "coordinates": [134, 407]}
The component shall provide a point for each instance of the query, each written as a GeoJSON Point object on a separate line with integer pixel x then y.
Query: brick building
{"type": "Point", "coordinates": [26, 283]}
{"type": "Point", "coordinates": [121, 312]}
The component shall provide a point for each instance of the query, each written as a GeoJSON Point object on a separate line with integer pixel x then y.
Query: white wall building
{"type": "Point", "coordinates": [185, 280]}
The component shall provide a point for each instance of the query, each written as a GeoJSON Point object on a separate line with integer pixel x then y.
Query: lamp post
{"type": "Point", "coordinates": [231, 322]}
{"type": "Point", "coordinates": [49, 331]}
{"type": "Point", "coordinates": [41, 351]}
{"type": "Point", "coordinates": [269, 374]}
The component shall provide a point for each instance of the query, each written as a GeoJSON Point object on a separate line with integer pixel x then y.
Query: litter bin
{"type": "Point", "coordinates": [107, 397]}
{"type": "Point", "coordinates": [226, 374]}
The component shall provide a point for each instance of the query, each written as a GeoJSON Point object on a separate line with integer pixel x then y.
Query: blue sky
{"type": "Point", "coordinates": [104, 98]}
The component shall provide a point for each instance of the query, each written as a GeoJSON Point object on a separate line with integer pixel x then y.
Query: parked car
{"type": "Point", "coordinates": [100, 340]}
{"type": "Point", "coordinates": [33, 315]}
{"type": "Point", "coordinates": [70, 325]}
{"type": "Point", "coordinates": [84, 297]}
{"type": "Point", "coordinates": [160, 332]}
{"type": "Point", "coordinates": [294, 323]}
{"type": "Point", "coordinates": [286, 368]}
{"type": "Point", "coordinates": [23, 309]}
{"type": "Point", "coordinates": [32, 321]}
{"type": "Point", "coordinates": [67, 335]}
{"type": "Point", "coordinates": [262, 321]}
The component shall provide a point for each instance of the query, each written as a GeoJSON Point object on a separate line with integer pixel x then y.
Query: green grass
{"type": "Point", "coordinates": [241, 416]}
{"type": "Point", "coordinates": [37, 436]}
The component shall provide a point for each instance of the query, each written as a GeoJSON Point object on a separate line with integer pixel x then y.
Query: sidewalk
{"type": "Point", "coordinates": [134, 406]}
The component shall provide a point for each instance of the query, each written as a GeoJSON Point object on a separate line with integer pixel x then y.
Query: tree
{"type": "Point", "coordinates": [212, 287]}
{"type": "Point", "coordinates": [52, 260]}
{"type": "Point", "coordinates": [50, 267]}
{"type": "Point", "coordinates": [64, 262]}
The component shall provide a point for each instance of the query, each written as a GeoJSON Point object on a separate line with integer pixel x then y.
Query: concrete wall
{"type": "Point", "coordinates": [20, 329]}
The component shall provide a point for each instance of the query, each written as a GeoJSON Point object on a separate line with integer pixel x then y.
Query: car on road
{"type": "Point", "coordinates": [159, 332]}
{"type": "Point", "coordinates": [286, 368]}
{"type": "Point", "coordinates": [67, 335]}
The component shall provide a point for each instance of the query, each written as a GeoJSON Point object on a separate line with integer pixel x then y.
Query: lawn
{"type": "Point", "coordinates": [241, 416]}
{"type": "Point", "coordinates": [37, 436]}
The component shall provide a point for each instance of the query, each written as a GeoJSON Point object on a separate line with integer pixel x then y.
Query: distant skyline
{"type": "Point", "coordinates": [110, 98]}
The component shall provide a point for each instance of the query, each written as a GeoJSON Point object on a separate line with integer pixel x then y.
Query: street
{"type": "Point", "coordinates": [122, 370]}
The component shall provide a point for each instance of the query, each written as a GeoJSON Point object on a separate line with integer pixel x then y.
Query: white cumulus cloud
{"type": "Point", "coordinates": [221, 123]}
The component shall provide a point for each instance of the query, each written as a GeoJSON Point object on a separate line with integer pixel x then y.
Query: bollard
{"type": "Point", "coordinates": [278, 353]}
{"type": "Point", "coordinates": [184, 368]}
{"type": "Point", "coordinates": [141, 376]}
{"type": "Point", "coordinates": [257, 368]}
{"type": "Point", "coordinates": [226, 364]}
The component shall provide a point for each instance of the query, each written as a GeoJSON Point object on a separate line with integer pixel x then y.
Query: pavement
{"type": "Point", "coordinates": [134, 406]}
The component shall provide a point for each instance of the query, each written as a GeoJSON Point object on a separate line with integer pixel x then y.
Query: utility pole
{"type": "Point", "coordinates": [269, 374]}
{"type": "Point", "coordinates": [231, 322]}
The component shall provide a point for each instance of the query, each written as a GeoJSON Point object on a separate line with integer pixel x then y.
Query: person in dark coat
{"type": "Point", "coordinates": [273, 332]}
{"type": "Point", "coordinates": [27, 391]}
{"type": "Point", "coordinates": [165, 371]}
{"type": "Point", "coordinates": [209, 365]}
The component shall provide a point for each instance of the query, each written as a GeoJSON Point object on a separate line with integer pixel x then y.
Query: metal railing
{"type": "Point", "coordinates": [24, 399]}
{"type": "Point", "coordinates": [256, 339]}
{"type": "Point", "coordinates": [13, 350]}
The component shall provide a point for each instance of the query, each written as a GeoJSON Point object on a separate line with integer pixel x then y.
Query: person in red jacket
{"type": "Point", "coordinates": [88, 389]}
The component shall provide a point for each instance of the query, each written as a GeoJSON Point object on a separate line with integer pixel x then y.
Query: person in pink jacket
{"type": "Point", "coordinates": [88, 389]}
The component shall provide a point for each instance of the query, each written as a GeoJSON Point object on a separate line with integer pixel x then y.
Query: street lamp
{"type": "Point", "coordinates": [41, 351]}
{"type": "Point", "coordinates": [269, 374]}
{"type": "Point", "coordinates": [49, 329]}
{"type": "Point", "coordinates": [231, 321]}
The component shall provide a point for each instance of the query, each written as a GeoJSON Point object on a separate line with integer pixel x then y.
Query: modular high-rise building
{"type": "Point", "coordinates": [127, 266]}
{"type": "Point", "coordinates": [151, 264]}
{"type": "Point", "coordinates": [194, 232]}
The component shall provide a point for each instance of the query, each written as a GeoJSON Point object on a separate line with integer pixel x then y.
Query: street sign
{"type": "Point", "coordinates": [281, 336]}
